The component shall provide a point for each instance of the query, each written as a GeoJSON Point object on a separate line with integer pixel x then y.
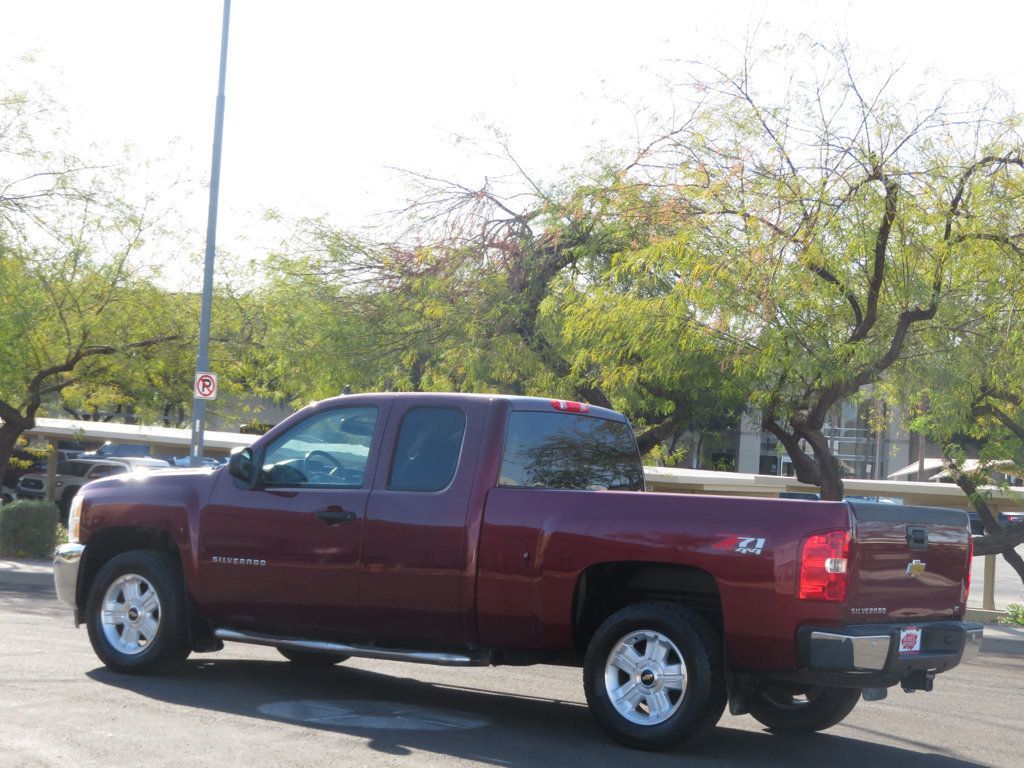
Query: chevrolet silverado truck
{"type": "Point", "coordinates": [484, 530]}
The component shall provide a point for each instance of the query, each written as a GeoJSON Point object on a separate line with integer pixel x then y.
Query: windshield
{"type": "Point", "coordinates": [73, 468]}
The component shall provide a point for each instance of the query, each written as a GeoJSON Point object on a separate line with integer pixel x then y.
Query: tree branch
{"type": "Point", "coordinates": [864, 327]}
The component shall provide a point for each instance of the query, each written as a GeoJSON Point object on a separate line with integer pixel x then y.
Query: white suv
{"type": "Point", "coordinates": [71, 475]}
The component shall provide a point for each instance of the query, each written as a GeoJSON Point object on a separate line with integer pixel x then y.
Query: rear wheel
{"type": "Point", "coordinates": [312, 658]}
{"type": "Point", "coordinates": [652, 676]}
{"type": "Point", "coordinates": [784, 706]}
{"type": "Point", "coordinates": [136, 613]}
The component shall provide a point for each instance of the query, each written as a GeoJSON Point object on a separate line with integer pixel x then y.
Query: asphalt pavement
{"type": "Point", "coordinates": [246, 706]}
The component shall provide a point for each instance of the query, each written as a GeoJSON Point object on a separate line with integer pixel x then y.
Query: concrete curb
{"type": "Point", "coordinates": [1003, 638]}
{"type": "Point", "coordinates": [985, 617]}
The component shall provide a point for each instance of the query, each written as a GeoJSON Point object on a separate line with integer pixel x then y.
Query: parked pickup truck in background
{"type": "Point", "coordinates": [477, 530]}
{"type": "Point", "coordinates": [73, 474]}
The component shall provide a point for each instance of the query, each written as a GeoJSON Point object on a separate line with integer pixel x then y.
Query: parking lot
{"type": "Point", "coordinates": [247, 706]}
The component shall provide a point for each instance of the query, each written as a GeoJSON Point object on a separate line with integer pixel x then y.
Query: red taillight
{"type": "Point", "coordinates": [570, 405]}
{"type": "Point", "coordinates": [970, 562]}
{"type": "Point", "coordinates": [823, 566]}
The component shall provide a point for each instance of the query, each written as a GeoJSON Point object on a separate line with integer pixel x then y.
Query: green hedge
{"type": "Point", "coordinates": [28, 529]}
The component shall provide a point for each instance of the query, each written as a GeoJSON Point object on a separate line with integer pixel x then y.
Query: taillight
{"type": "Point", "coordinates": [823, 566]}
{"type": "Point", "coordinates": [970, 562]}
{"type": "Point", "coordinates": [570, 405]}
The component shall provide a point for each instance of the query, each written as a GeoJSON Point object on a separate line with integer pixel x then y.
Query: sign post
{"type": "Point", "coordinates": [203, 359]}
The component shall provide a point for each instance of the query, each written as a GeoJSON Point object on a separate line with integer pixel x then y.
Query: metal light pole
{"type": "Point", "coordinates": [203, 359]}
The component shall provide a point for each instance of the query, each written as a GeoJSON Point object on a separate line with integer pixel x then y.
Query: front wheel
{"type": "Point", "coordinates": [652, 676]}
{"type": "Point", "coordinates": [784, 706]}
{"type": "Point", "coordinates": [136, 613]}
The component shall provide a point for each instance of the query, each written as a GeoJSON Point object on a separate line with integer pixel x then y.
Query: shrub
{"type": "Point", "coordinates": [28, 529]}
{"type": "Point", "coordinates": [1014, 614]}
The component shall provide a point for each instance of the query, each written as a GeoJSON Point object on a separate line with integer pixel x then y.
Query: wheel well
{"type": "Point", "coordinates": [109, 542]}
{"type": "Point", "coordinates": [604, 588]}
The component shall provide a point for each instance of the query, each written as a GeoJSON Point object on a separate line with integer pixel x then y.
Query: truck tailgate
{"type": "Point", "coordinates": [907, 562]}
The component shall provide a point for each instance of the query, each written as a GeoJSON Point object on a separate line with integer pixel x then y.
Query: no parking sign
{"type": "Point", "coordinates": [206, 386]}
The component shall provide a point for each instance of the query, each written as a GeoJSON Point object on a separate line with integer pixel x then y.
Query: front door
{"type": "Point", "coordinates": [287, 552]}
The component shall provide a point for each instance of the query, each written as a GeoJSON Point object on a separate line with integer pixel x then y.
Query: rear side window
{"type": "Point", "coordinates": [427, 450]}
{"type": "Point", "coordinates": [566, 451]}
{"type": "Point", "coordinates": [73, 468]}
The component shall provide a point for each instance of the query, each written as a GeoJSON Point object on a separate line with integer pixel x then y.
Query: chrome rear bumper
{"type": "Point", "coordinates": [875, 648]}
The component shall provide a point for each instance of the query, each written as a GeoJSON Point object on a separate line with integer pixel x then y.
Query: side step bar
{"type": "Point", "coordinates": [362, 651]}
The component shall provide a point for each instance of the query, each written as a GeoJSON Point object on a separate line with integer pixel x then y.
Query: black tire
{"type": "Point", "coordinates": [169, 645]}
{"type": "Point", "coordinates": [784, 706]}
{"type": "Point", "coordinates": [312, 658]}
{"type": "Point", "coordinates": [695, 709]}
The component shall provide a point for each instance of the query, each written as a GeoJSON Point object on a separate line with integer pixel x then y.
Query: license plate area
{"type": "Point", "coordinates": [910, 641]}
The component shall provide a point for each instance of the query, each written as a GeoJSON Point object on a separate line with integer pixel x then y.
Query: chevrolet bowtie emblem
{"type": "Point", "coordinates": [915, 568]}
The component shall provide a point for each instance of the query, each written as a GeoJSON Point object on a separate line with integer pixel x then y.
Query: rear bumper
{"type": "Point", "coordinates": [66, 561]}
{"type": "Point", "coordinates": [874, 650]}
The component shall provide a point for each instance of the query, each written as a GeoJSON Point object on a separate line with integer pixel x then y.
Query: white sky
{"type": "Point", "coordinates": [323, 96]}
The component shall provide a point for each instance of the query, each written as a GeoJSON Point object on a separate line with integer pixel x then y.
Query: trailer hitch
{"type": "Point", "coordinates": [918, 680]}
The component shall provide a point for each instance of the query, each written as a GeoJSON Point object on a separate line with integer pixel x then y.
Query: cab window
{"type": "Point", "coordinates": [570, 452]}
{"type": "Point", "coordinates": [329, 450]}
{"type": "Point", "coordinates": [427, 450]}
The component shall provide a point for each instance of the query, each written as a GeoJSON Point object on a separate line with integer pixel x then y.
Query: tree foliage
{"type": "Point", "coordinates": [965, 392]}
{"type": "Point", "coordinates": [74, 289]}
{"type": "Point", "coordinates": [822, 226]}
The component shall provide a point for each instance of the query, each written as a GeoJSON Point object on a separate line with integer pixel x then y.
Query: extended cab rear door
{"type": "Point", "coordinates": [414, 542]}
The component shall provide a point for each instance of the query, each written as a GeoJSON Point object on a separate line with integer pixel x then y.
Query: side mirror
{"type": "Point", "coordinates": [242, 467]}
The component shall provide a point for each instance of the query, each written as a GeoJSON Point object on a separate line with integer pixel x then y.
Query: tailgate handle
{"type": "Point", "coordinates": [917, 538]}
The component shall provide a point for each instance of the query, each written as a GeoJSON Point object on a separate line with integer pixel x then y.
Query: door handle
{"type": "Point", "coordinates": [336, 515]}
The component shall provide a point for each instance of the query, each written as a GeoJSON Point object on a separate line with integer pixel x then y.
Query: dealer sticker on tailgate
{"type": "Point", "coordinates": [910, 640]}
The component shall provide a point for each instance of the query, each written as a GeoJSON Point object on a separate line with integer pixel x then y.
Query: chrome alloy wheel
{"type": "Point", "coordinates": [130, 614]}
{"type": "Point", "coordinates": [645, 677]}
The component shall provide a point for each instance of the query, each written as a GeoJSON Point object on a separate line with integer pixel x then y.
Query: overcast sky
{"type": "Point", "coordinates": [323, 97]}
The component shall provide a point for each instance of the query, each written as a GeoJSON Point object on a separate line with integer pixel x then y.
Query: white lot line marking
{"type": "Point", "coordinates": [375, 715]}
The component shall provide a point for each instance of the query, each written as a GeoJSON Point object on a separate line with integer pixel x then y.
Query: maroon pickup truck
{"type": "Point", "coordinates": [479, 529]}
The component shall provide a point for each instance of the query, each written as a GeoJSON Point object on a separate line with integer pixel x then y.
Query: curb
{"type": "Point", "coordinates": [1003, 638]}
{"type": "Point", "coordinates": [985, 617]}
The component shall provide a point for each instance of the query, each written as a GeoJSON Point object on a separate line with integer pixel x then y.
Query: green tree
{"type": "Point", "coordinates": [73, 287]}
{"type": "Point", "coordinates": [973, 381]}
{"type": "Point", "coordinates": [474, 298]}
{"type": "Point", "coordinates": [822, 224]}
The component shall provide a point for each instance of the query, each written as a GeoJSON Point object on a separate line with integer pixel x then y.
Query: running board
{"type": "Point", "coordinates": [362, 651]}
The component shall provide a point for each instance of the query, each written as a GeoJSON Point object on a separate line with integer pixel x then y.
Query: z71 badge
{"type": "Point", "coordinates": [744, 545]}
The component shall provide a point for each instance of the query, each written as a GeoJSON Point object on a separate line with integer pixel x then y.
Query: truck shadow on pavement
{"type": "Point", "coordinates": [399, 716]}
